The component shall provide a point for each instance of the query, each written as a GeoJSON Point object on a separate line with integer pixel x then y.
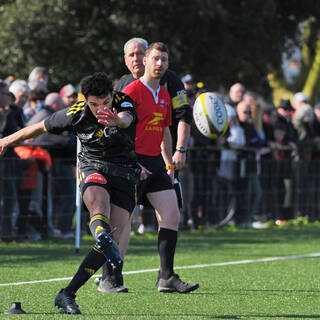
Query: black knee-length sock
{"type": "Point", "coordinates": [89, 266]}
{"type": "Point", "coordinates": [167, 241]}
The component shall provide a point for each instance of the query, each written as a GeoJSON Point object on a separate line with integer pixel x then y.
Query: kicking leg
{"type": "Point", "coordinates": [120, 221]}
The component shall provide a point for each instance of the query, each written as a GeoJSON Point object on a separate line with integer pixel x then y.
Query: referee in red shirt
{"type": "Point", "coordinates": [153, 146]}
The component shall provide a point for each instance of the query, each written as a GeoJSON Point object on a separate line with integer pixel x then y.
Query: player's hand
{"type": "Point", "coordinates": [3, 148]}
{"type": "Point", "coordinates": [170, 173]}
{"type": "Point", "coordinates": [179, 159]}
{"type": "Point", "coordinates": [144, 172]}
{"type": "Point", "coordinates": [108, 117]}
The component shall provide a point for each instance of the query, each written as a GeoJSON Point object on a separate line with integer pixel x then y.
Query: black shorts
{"type": "Point", "coordinates": [159, 180]}
{"type": "Point", "coordinates": [122, 191]}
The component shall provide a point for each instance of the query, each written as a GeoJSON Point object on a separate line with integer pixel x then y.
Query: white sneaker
{"type": "Point", "coordinates": [141, 229]}
{"type": "Point", "coordinates": [259, 225]}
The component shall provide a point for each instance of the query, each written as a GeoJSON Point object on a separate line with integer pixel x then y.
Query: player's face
{"type": "Point", "coordinates": [134, 59]}
{"type": "Point", "coordinates": [96, 103]}
{"type": "Point", "coordinates": [156, 63]}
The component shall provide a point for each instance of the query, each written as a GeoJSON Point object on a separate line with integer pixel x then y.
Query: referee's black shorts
{"type": "Point", "coordinates": [159, 180]}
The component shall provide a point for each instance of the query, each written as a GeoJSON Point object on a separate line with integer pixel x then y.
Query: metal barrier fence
{"type": "Point", "coordinates": [217, 187]}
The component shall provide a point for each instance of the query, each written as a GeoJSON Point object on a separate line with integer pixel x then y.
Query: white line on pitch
{"type": "Point", "coordinates": [220, 264]}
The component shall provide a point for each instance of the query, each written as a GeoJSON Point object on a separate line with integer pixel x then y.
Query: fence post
{"type": "Point", "coordinates": [45, 207]}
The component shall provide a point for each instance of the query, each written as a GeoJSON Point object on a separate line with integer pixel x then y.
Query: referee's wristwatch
{"type": "Point", "coordinates": [181, 149]}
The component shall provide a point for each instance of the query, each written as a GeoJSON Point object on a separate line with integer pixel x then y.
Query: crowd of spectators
{"type": "Point", "coordinates": [265, 167]}
{"type": "Point", "coordinates": [25, 191]}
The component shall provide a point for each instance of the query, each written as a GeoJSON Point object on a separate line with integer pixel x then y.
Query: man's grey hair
{"type": "Point", "coordinates": [141, 41]}
{"type": "Point", "coordinates": [19, 85]}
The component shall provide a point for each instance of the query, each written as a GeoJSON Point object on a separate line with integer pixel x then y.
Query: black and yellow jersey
{"type": "Point", "coordinates": [98, 142]}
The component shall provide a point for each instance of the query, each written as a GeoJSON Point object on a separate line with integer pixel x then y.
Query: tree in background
{"type": "Point", "coordinates": [306, 65]}
{"type": "Point", "coordinates": [219, 42]}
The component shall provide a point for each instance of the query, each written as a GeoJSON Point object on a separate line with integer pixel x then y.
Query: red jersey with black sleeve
{"type": "Point", "coordinates": [154, 114]}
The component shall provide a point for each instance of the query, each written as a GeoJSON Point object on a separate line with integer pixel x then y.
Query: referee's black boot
{"type": "Point", "coordinates": [110, 250]}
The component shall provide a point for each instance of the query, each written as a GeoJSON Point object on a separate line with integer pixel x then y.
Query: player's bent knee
{"type": "Point", "coordinates": [171, 219]}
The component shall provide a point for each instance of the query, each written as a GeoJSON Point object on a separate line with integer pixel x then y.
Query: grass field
{"type": "Point", "coordinates": [278, 289]}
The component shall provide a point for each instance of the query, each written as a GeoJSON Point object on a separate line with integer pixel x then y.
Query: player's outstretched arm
{"type": "Point", "coordinates": [21, 135]}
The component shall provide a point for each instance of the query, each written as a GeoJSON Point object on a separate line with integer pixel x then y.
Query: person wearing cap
{"type": "Point", "coordinates": [190, 87]}
{"type": "Point", "coordinates": [69, 94]}
{"type": "Point", "coordinates": [188, 82]}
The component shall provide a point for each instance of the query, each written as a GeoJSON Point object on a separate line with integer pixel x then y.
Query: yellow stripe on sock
{"type": "Point", "coordinates": [95, 248]}
{"type": "Point", "coordinates": [90, 271]}
{"type": "Point", "coordinates": [99, 217]}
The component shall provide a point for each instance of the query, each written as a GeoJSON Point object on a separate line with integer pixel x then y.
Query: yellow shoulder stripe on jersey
{"type": "Point", "coordinates": [118, 98]}
{"type": "Point", "coordinates": [179, 101]}
{"type": "Point", "coordinates": [76, 108]}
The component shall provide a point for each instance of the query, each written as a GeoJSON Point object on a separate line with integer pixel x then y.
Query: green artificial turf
{"type": "Point", "coordinates": [280, 289]}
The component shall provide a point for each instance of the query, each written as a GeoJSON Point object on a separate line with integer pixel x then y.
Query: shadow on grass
{"type": "Point", "coordinates": [146, 245]}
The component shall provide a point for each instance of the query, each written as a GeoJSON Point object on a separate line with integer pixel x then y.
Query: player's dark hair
{"type": "Point", "coordinates": [160, 46]}
{"type": "Point", "coordinates": [99, 85]}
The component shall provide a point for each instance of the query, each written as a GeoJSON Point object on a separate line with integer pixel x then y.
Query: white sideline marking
{"type": "Point", "coordinates": [311, 255]}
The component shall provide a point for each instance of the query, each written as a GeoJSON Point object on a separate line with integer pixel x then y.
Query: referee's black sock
{"type": "Point", "coordinates": [167, 241]}
{"type": "Point", "coordinates": [99, 224]}
{"type": "Point", "coordinates": [89, 266]}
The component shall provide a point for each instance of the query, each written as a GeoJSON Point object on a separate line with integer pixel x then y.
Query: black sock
{"type": "Point", "coordinates": [167, 241]}
{"type": "Point", "coordinates": [99, 224]}
{"type": "Point", "coordinates": [89, 266]}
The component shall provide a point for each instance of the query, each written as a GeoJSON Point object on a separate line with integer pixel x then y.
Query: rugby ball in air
{"type": "Point", "coordinates": [210, 115]}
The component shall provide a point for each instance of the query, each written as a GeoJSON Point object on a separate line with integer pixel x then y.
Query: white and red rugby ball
{"type": "Point", "coordinates": [210, 115]}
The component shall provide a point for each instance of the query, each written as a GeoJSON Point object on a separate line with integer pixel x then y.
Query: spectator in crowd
{"type": "Point", "coordinates": [236, 93]}
{"type": "Point", "coordinates": [282, 174]}
{"type": "Point", "coordinates": [21, 91]}
{"type": "Point", "coordinates": [228, 172]}
{"type": "Point", "coordinates": [31, 183]}
{"type": "Point", "coordinates": [35, 103]}
{"type": "Point", "coordinates": [9, 79]}
{"type": "Point", "coordinates": [251, 190]}
{"type": "Point", "coordinates": [134, 51]}
{"type": "Point", "coordinates": [303, 120]}
{"type": "Point", "coordinates": [62, 149]}
{"type": "Point", "coordinates": [190, 87]}
{"type": "Point", "coordinates": [314, 214]}
{"type": "Point", "coordinates": [38, 80]}
{"type": "Point", "coordinates": [29, 224]}
{"type": "Point", "coordinates": [203, 176]}
{"type": "Point", "coordinates": [69, 94]}
{"type": "Point", "coordinates": [9, 165]}
{"type": "Point", "coordinates": [291, 140]}
{"type": "Point", "coordinates": [5, 99]}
